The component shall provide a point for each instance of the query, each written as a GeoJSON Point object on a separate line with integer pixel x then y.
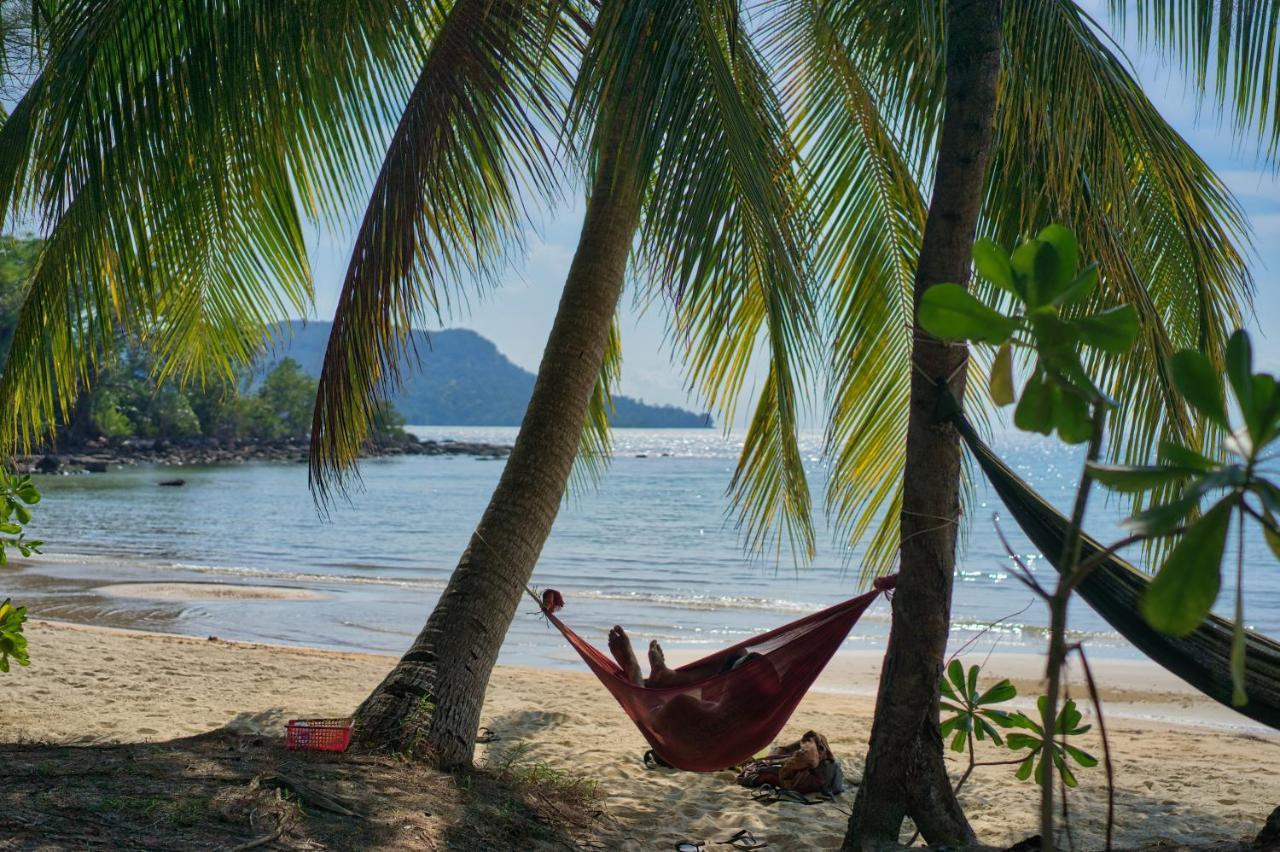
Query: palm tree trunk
{"type": "Point", "coordinates": [429, 705]}
{"type": "Point", "coordinates": [905, 774]}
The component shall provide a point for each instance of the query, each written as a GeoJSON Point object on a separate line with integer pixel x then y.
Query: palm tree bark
{"type": "Point", "coordinates": [429, 705]}
{"type": "Point", "coordinates": [905, 774]}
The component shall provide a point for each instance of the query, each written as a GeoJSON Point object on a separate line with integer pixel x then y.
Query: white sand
{"type": "Point", "coordinates": [1184, 781]}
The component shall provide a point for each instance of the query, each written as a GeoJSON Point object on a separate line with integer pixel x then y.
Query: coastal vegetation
{"type": "Point", "coordinates": [777, 196]}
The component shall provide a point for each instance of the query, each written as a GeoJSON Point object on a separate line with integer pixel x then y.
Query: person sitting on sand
{"type": "Point", "coordinates": [661, 675]}
{"type": "Point", "coordinates": [807, 766]}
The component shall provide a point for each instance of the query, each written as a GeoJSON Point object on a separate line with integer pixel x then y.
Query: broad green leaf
{"type": "Point", "coordinates": [1071, 417]}
{"type": "Point", "coordinates": [1267, 404]}
{"type": "Point", "coordinates": [955, 673]}
{"type": "Point", "coordinates": [1021, 741]}
{"type": "Point", "coordinates": [950, 312]}
{"type": "Point", "coordinates": [1081, 288]}
{"type": "Point", "coordinates": [985, 728]}
{"type": "Point", "coordinates": [1177, 455]}
{"type": "Point", "coordinates": [1032, 260]}
{"type": "Point", "coordinates": [1001, 381]}
{"type": "Point", "coordinates": [1240, 373]}
{"type": "Point", "coordinates": [1184, 590]}
{"type": "Point", "coordinates": [1081, 756]}
{"type": "Point", "coordinates": [1067, 257]}
{"type": "Point", "coordinates": [1060, 762]}
{"type": "Point", "coordinates": [1194, 377]}
{"type": "Point", "coordinates": [1111, 331]}
{"type": "Point", "coordinates": [971, 687]}
{"type": "Point", "coordinates": [1001, 718]}
{"type": "Point", "coordinates": [1035, 409]}
{"type": "Point", "coordinates": [958, 741]}
{"type": "Point", "coordinates": [1133, 479]}
{"type": "Point", "coordinates": [1024, 768]}
{"type": "Point", "coordinates": [1271, 531]}
{"type": "Point", "coordinates": [992, 263]}
{"type": "Point", "coordinates": [1002, 691]}
{"type": "Point", "coordinates": [23, 513]}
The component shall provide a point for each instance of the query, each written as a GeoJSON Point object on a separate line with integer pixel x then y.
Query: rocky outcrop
{"type": "Point", "coordinates": [101, 456]}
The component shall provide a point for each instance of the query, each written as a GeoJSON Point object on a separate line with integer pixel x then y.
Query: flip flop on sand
{"type": "Point", "coordinates": [690, 846]}
{"type": "Point", "coordinates": [486, 735]}
{"type": "Point", "coordinates": [744, 839]}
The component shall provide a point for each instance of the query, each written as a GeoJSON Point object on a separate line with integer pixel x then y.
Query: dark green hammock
{"type": "Point", "coordinates": [1201, 658]}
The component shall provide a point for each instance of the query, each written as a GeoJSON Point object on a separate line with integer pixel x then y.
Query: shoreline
{"type": "Point", "coordinates": [102, 456]}
{"type": "Point", "coordinates": [88, 685]}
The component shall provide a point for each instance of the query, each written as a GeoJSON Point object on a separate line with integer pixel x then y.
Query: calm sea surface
{"type": "Point", "coordinates": [649, 548]}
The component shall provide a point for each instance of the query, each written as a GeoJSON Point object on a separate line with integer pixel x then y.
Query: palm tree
{"type": "Point", "coordinates": [672, 121]}
{"type": "Point", "coordinates": [173, 193]}
{"type": "Point", "coordinates": [1075, 140]}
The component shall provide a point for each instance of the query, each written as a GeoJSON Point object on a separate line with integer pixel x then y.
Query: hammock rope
{"type": "Point", "coordinates": [1113, 589]}
{"type": "Point", "coordinates": [737, 700]}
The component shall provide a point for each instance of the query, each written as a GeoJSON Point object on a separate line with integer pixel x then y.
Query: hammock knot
{"type": "Point", "coordinates": [552, 600]}
{"type": "Point", "coordinates": [885, 584]}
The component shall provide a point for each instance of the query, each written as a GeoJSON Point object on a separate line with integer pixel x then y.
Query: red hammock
{"type": "Point", "coordinates": [726, 717]}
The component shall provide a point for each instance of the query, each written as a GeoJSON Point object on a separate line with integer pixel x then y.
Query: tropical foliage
{"type": "Point", "coordinates": [322, 87]}
{"type": "Point", "coordinates": [976, 717]}
{"type": "Point", "coordinates": [1237, 482]}
{"type": "Point", "coordinates": [18, 494]}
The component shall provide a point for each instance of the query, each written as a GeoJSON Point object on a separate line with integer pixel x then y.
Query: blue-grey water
{"type": "Point", "coordinates": [649, 547]}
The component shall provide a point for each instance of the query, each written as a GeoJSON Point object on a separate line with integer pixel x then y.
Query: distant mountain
{"type": "Point", "coordinates": [463, 380]}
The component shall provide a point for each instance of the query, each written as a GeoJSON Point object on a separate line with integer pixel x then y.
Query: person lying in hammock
{"type": "Point", "coordinates": [660, 674]}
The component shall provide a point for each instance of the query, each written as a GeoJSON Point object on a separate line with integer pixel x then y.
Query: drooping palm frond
{"type": "Point", "coordinates": [596, 446]}
{"type": "Point", "coordinates": [870, 216]}
{"type": "Point", "coordinates": [170, 191]}
{"type": "Point", "coordinates": [1077, 142]}
{"type": "Point", "coordinates": [1229, 48]}
{"type": "Point", "coordinates": [447, 200]}
{"type": "Point", "coordinates": [725, 232]}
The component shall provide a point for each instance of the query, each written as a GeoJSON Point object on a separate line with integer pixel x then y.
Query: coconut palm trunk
{"type": "Point", "coordinates": [905, 774]}
{"type": "Point", "coordinates": [430, 702]}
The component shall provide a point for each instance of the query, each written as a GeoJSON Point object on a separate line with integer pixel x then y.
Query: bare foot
{"type": "Point", "coordinates": [657, 659]}
{"type": "Point", "coordinates": [620, 647]}
{"type": "Point", "coordinates": [659, 674]}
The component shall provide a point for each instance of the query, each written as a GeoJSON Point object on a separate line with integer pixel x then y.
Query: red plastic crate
{"type": "Point", "coordinates": [318, 734]}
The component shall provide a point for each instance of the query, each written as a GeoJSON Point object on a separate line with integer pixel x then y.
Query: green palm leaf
{"type": "Point", "coordinates": [724, 229]}
{"type": "Point", "coordinates": [446, 203]}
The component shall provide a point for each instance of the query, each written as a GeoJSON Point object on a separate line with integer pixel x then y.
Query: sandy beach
{"type": "Point", "coordinates": [1187, 771]}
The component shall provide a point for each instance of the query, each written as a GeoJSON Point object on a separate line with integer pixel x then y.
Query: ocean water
{"type": "Point", "coordinates": [651, 548]}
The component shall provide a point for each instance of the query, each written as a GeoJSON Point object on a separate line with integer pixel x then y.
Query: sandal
{"type": "Point", "coordinates": [486, 735]}
{"type": "Point", "coordinates": [744, 839]}
{"type": "Point", "coordinates": [690, 846]}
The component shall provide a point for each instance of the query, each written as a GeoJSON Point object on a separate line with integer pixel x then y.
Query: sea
{"type": "Point", "coordinates": [651, 546]}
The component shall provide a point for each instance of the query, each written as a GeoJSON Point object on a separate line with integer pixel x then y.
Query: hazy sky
{"type": "Point", "coordinates": [518, 315]}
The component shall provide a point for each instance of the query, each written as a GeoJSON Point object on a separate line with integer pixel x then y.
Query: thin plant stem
{"type": "Point", "coordinates": [1058, 623]}
{"type": "Point", "coordinates": [1106, 743]}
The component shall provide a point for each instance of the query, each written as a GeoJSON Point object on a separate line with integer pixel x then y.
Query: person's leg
{"type": "Point", "coordinates": [620, 647]}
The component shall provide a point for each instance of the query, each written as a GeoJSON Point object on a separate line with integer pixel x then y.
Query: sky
{"type": "Point", "coordinates": [517, 315]}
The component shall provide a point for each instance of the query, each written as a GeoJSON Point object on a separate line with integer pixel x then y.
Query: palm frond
{"type": "Point", "coordinates": [595, 450]}
{"type": "Point", "coordinates": [173, 190]}
{"type": "Point", "coordinates": [870, 215]}
{"type": "Point", "coordinates": [1229, 48]}
{"type": "Point", "coordinates": [1077, 142]}
{"type": "Point", "coordinates": [724, 232]}
{"type": "Point", "coordinates": [447, 201]}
